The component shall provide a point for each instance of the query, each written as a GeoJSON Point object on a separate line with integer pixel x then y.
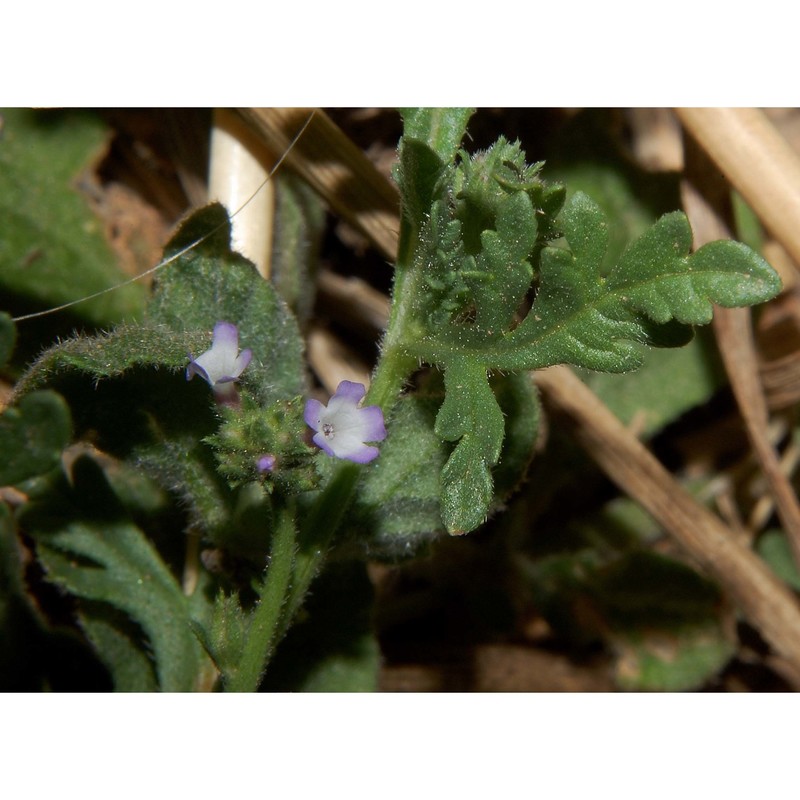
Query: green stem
{"type": "Point", "coordinates": [395, 364]}
{"type": "Point", "coordinates": [317, 532]}
{"type": "Point", "coordinates": [325, 516]}
{"type": "Point", "coordinates": [266, 627]}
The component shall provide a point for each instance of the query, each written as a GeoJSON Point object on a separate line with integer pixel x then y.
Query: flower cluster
{"type": "Point", "coordinates": [342, 428]}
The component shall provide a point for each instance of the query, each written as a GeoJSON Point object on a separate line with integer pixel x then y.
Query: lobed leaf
{"type": "Point", "coordinates": [431, 137]}
{"type": "Point", "coordinates": [470, 415]}
{"type": "Point", "coordinates": [502, 274]}
{"type": "Point", "coordinates": [583, 317]}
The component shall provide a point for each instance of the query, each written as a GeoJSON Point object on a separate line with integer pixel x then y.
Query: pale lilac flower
{"type": "Point", "coordinates": [221, 365]}
{"type": "Point", "coordinates": [342, 427]}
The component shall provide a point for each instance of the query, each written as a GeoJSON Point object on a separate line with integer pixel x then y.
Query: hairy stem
{"type": "Point", "coordinates": [317, 532]}
{"type": "Point", "coordinates": [266, 627]}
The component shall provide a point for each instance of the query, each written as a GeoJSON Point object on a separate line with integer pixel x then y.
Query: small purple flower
{"type": "Point", "coordinates": [266, 463]}
{"type": "Point", "coordinates": [342, 427]}
{"type": "Point", "coordinates": [222, 365]}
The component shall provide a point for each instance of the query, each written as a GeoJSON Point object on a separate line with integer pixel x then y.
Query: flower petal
{"type": "Point", "coordinates": [342, 428]}
{"type": "Point", "coordinates": [349, 391]}
{"type": "Point", "coordinates": [222, 363]}
{"type": "Point", "coordinates": [373, 428]}
{"type": "Point", "coordinates": [226, 339]}
{"type": "Point", "coordinates": [195, 369]}
{"type": "Point", "coordinates": [312, 413]}
{"type": "Point", "coordinates": [362, 454]}
{"type": "Point", "coordinates": [240, 365]}
{"type": "Point", "coordinates": [321, 441]}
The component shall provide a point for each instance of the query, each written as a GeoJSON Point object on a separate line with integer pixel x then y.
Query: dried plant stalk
{"type": "Point", "coordinates": [332, 361]}
{"type": "Point", "coordinates": [239, 165]}
{"type": "Point", "coordinates": [757, 160]}
{"type": "Point", "coordinates": [336, 168]}
{"type": "Point", "coordinates": [735, 339]}
{"type": "Point", "coordinates": [365, 306]}
{"type": "Point", "coordinates": [706, 199]}
{"type": "Point", "coordinates": [763, 599]}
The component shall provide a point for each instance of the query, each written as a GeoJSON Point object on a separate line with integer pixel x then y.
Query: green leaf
{"type": "Point", "coordinates": [519, 402]}
{"type": "Point", "coordinates": [223, 635]}
{"type": "Point", "coordinates": [211, 283]}
{"type": "Point", "coordinates": [471, 415]}
{"type": "Point", "coordinates": [677, 661]}
{"type": "Point", "coordinates": [669, 383]}
{"type": "Point", "coordinates": [112, 562]}
{"type": "Point", "coordinates": [485, 181]}
{"type": "Point", "coordinates": [661, 620]}
{"type": "Point", "coordinates": [398, 494]}
{"type": "Point", "coordinates": [774, 548]}
{"type": "Point", "coordinates": [665, 624]}
{"type": "Point", "coordinates": [113, 354]}
{"type": "Point", "coordinates": [441, 129]}
{"type": "Point", "coordinates": [52, 248]}
{"type": "Point", "coordinates": [155, 419]}
{"type": "Point", "coordinates": [588, 158]}
{"type": "Point", "coordinates": [118, 642]}
{"type": "Point", "coordinates": [475, 245]}
{"type": "Point", "coordinates": [297, 237]}
{"type": "Point", "coordinates": [151, 418]}
{"type": "Point", "coordinates": [398, 499]}
{"type": "Point", "coordinates": [205, 285]}
{"type": "Point", "coordinates": [583, 317]}
{"type": "Point", "coordinates": [502, 274]}
{"type": "Point", "coordinates": [431, 137]}
{"type": "Point", "coordinates": [32, 436]}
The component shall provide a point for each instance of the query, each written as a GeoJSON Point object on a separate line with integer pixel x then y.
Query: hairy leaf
{"type": "Point", "coordinates": [113, 354]}
{"type": "Point", "coordinates": [583, 317]}
{"type": "Point", "coordinates": [298, 229]}
{"type": "Point", "coordinates": [398, 498]}
{"type": "Point", "coordinates": [211, 283]}
{"type": "Point", "coordinates": [140, 410]}
{"type": "Point", "coordinates": [500, 275]}
{"type": "Point", "coordinates": [470, 415]}
{"type": "Point", "coordinates": [223, 634]}
{"type": "Point", "coordinates": [112, 562]}
{"type": "Point", "coordinates": [582, 314]}
{"type": "Point", "coordinates": [32, 436]}
{"type": "Point", "coordinates": [52, 248]}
